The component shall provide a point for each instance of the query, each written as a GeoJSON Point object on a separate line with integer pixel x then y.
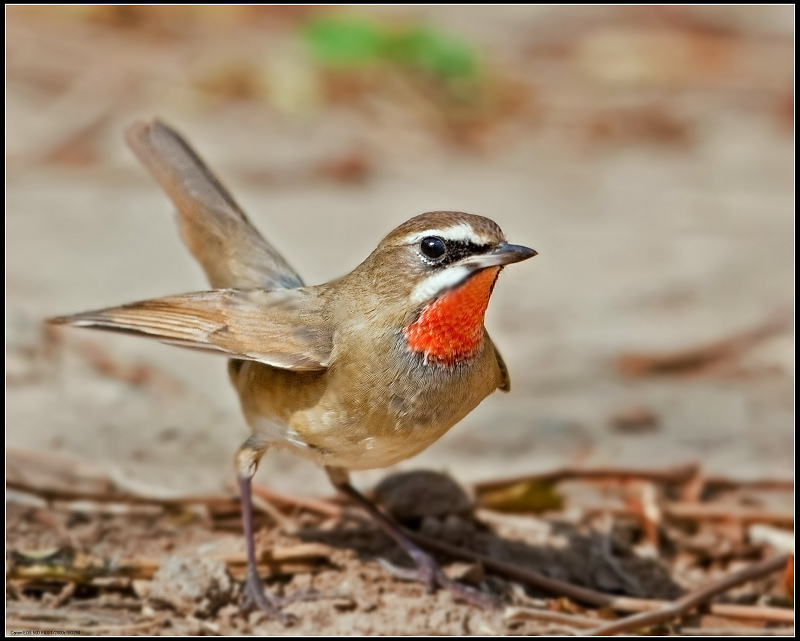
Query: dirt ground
{"type": "Point", "coordinates": [647, 154]}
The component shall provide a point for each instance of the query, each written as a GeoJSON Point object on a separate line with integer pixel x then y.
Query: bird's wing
{"type": "Point", "coordinates": [282, 328]}
{"type": "Point", "coordinates": [213, 226]}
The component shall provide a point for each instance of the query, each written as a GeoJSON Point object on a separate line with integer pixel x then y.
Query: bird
{"type": "Point", "coordinates": [358, 373]}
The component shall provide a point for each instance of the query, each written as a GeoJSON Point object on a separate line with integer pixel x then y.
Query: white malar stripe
{"type": "Point", "coordinates": [438, 282]}
{"type": "Point", "coordinates": [462, 232]}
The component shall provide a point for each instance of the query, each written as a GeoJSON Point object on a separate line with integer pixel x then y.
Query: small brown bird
{"type": "Point", "coordinates": [358, 373]}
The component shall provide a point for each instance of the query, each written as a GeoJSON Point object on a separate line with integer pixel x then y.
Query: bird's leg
{"type": "Point", "coordinates": [247, 459]}
{"type": "Point", "coordinates": [427, 571]}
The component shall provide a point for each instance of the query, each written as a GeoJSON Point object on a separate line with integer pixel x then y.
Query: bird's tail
{"type": "Point", "coordinates": [214, 228]}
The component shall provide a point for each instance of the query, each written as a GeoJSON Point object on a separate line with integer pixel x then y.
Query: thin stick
{"type": "Point", "coordinates": [680, 474]}
{"type": "Point", "coordinates": [65, 595]}
{"type": "Point", "coordinates": [536, 614]}
{"type": "Point", "coordinates": [755, 612]}
{"type": "Point", "coordinates": [283, 522]}
{"type": "Point", "coordinates": [737, 632]}
{"type": "Point", "coordinates": [724, 483]}
{"type": "Point", "coordinates": [324, 507]}
{"type": "Point", "coordinates": [688, 602]}
{"type": "Point", "coordinates": [730, 610]}
{"type": "Point", "coordinates": [702, 357]}
{"type": "Point", "coordinates": [21, 624]}
{"type": "Point", "coordinates": [60, 494]}
{"type": "Point", "coordinates": [118, 629]}
{"type": "Point", "coordinates": [697, 511]}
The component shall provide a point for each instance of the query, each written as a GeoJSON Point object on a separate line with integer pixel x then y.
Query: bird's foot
{"type": "Point", "coordinates": [431, 576]}
{"type": "Point", "coordinates": [255, 598]}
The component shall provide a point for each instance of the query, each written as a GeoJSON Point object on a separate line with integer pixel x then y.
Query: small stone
{"type": "Point", "coordinates": [192, 585]}
{"type": "Point", "coordinates": [415, 495]}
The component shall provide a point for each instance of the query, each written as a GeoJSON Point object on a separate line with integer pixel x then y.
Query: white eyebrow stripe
{"type": "Point", "coordinates": [438, 282]}
{"type": "Point", "coordinates": [462, 232]}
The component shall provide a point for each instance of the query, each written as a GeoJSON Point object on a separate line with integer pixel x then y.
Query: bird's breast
{"type": "Point", "coordinates": [378, 411]}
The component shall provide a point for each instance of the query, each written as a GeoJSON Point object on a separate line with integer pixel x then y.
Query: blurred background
{"type": "Point", "coordinates": [647, 153]}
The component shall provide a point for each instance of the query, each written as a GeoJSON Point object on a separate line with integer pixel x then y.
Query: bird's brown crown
{"type": "Point", "coordinates": [455, 225]}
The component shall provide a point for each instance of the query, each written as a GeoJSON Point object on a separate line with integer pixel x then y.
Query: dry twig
{"type": "Point", "coordinates": [690, 601]}
{"type": "Point", "coordinates": [681, 474]}
{"type": "Point", "coordinates": [324, 507]}
{"type": "Point", "coordinates": [737, 632]}
{"type": "Point", "coordinates": [706, 511]}
{"type": "Point", "coordinates": [537, 614]}
{"type": "Point", "coordinates": [113, 496]}
{"type": "Point", "coordinates": [725, 483]}
{"type": "Point", "coordinates": [703, 357]}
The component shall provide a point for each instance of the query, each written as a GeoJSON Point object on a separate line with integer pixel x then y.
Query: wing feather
{"type": "Point", "coordinates": [282, 328]}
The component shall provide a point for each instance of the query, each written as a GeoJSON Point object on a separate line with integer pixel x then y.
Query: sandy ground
{"type": "Point", "coordinates": [644, 246]}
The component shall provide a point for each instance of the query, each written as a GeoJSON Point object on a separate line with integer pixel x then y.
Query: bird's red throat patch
{"type": "Point", "coordinates": [450, 329]}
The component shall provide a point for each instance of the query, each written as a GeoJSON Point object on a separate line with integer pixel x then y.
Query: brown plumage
{"type": "Point", "coordinates": [331, 371]}
{"type": "Point", "coordinates": [213, 226]}
{"type": "Point", "coordinates": [283, 327]}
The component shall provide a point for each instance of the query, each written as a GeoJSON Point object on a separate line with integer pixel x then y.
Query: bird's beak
{"type": "Point", "coordinates": [504, 254]}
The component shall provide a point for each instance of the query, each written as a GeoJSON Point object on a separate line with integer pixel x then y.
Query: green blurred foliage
{"type": "Point", "coordinates": [343, 42]}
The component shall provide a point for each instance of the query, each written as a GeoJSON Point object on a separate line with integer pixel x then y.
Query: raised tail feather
{"type": "Point", "coordinates": [214, 228]}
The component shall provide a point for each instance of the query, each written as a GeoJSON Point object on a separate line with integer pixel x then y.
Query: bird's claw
{"type": "Point", "coordinates": [429, 574]}
{"type": "Point", "coordinates": [255, 598]}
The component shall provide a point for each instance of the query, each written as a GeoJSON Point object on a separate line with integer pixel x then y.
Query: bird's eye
{"type": "Point", "coordinates": [432, 247]}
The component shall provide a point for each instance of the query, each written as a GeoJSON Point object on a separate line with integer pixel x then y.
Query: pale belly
{"type": "Point", "coordinates": [392, 418]}
{"type": "Point", "coordinates": [338, 441]}
{"type": "Point", "coordinates": [370, 452]}
{"type": "Point", "coordinates": [398, 421]}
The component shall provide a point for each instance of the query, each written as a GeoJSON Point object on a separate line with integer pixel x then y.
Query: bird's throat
{"type": "Point", "coordinates": [450, 329]}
